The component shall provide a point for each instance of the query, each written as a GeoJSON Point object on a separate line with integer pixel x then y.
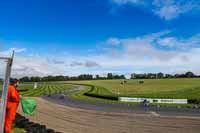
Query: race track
{"type": "Point", "coordinates": [72, 119]}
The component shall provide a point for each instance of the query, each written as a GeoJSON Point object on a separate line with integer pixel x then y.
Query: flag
{"type": "Point", "coordinates": [28, 105]}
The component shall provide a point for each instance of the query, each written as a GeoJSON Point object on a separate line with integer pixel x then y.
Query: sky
{"type": "Point", "coordinates": [72, 37]}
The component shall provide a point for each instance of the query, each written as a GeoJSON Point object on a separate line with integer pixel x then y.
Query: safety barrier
{"type": "Point", "coordinates": [153, 100]}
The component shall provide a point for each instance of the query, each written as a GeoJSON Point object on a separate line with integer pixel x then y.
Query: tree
{"type": "Point", "coordinates": [132, 75]}
{"type": "Point", "coordinates": [25, 79]}
{"type": "Point", "coordinates": [122, 77]}
{"type": "Point", "coordinates": [189, 74]}
{"type": "Point", "coordinates": [97, 77]}
{"type": "Point", "coordinates": [151, 76]}
{"type": "Point", "coordinates": [168, 76]}
{"type": "Point", "coordinates": [85, 77]}
{"type": "Point", "coordinates": [160, 75]}
{"type": "Point", "coordinates": [109, 76]}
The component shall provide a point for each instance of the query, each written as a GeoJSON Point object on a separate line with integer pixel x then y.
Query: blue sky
{"type": "Point", "coordinates": [72, 37]}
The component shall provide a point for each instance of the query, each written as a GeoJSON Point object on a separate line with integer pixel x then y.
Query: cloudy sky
{"type": "Point", "coordinates": [72, 37]}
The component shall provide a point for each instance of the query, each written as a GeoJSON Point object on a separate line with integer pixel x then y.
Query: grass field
{"type": "Point", "coordinates": [26, 89]}
{"type": "Point", "coordinates": [18, 130]}
{"type": "Point", "coordinates": [153, 88]}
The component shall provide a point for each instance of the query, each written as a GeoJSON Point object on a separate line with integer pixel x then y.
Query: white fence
{"type": "Point", "coordinates": [153, 100]}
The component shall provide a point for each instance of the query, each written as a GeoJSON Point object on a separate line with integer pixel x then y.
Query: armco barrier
{"type": "Point", "coordinates": [153, 100]}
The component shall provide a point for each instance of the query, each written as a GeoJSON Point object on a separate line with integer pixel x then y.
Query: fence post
{"type": "Point", "coordinates": [5, 91]}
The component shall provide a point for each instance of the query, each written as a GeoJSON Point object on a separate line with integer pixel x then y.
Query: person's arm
{"type": "Point", "coordinates": [13, 95]}
{"type": "Point", "coordinates": [13, 99]}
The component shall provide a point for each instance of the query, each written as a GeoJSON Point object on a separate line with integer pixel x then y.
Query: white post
{"type": "Point", "coordinates": [35, 85]}
{"type": "Point", "coordinates": [5, 91]}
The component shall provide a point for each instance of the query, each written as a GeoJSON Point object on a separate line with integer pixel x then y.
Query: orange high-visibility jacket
{"type": "Point", "coordinates": [13, 100]}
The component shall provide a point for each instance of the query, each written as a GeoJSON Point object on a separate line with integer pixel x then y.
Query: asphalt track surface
{"type": "Point", "coordinates": [120, 108]}
{"type": "Point", "coordinates": [74, 116]}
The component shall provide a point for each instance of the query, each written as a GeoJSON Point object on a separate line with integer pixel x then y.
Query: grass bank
{"type": "Point", "coordinates": [26, 89]}
{"type": "Point", "coordinates": [182, 88]}
{"type": "Point", "coordinates": [94, 92]}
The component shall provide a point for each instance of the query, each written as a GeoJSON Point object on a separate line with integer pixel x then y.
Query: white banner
{"type": "Point", "coordinates": [153, 100]}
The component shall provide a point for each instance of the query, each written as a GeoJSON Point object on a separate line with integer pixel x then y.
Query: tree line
{"type": "Point", "coordinates": [162, 75]}
{"type": "Point", "coordinates": [70, 78]}
{"type": "Point", "coordinates": [109, 76]}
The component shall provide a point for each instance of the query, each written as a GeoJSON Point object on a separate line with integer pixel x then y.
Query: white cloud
{"type": "Point", "coordinates": [149, 53]}
{"type": "Point", "coordinates": [171, 9]}
{"type": "Point", "coordinates": [166, 9]}
{"type": "Point", "coordinates": [87, 63]}
{"type": "Point", "coordinates": [180, 43]}
{"type": "Point", "coordinates": [168, 41]}
{"type": "Point", "coordinates": [113, 41]}
{"type": "Point", "coordinates": [7, 53]}
{"type": "Point", "coordinates": [144, 48]}
{"type": "Point", "coordinates": [168, 12]}
{"type": "Point", "coordinates": [120, 2]}
{"type": "Point", "coordinates": [37, 65]}
{"type": "Point", "coordinates": [76, 63]}
{"type": "Point", "coordinates": [90, 63]}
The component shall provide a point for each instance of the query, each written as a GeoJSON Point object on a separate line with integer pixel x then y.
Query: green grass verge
{"type": "Point", "coordinates": [96, 91]}
{"type": "Point", "coordinates": [43, 88]}
{"type": "Point", "coordinates": [182, 88]}
{"type": "Point", "coordinates": [18, 130]}
{"type": "Point", "coordinates": [80, 96]}
{"type": "Point", "coordinates": [100, 92]}
{"type": "Point", "coordinates": [190, 89]}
